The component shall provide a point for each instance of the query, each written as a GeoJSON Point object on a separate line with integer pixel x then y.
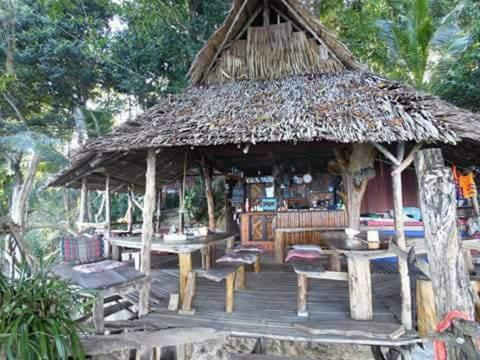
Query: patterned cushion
{"type": "Point", "coordinates": [99, 266]}
{"type": "Point", "coordinates": [82, 249]}
{"type": "Point", "coordinates": [296, 254]}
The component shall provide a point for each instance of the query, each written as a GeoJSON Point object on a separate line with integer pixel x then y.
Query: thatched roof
{"type": "Point", "coordinates": [287, 82]}
{"type": "Point", "coordinates": [347, 107]}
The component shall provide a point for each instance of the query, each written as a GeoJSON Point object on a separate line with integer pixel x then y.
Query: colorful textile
{"type": "Point", "coordinates": [99, 266]}
{"type": "Point", "coordinates": [296, 254]}
{"type": "Point", "coordinates": [82, 249]}
{"type": "Point", "coordinates": [464, 183]}
{"type": "Point", "coordinates": [242, 257]}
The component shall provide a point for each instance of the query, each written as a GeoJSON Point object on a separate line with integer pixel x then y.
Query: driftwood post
{"type": "Point", "coordinates": [82, 217]}
{"type": "Point", "coordinates": [159, 210]}
{"type": "Point", "coordinates": [450, 280]}
{"type": "Point", "coordinates": [130, 209]}
{"type": "Point", "coordinates": [108, 214]}
{"type": "Point", "coordinates": [147, 229]}
{"type": "Point", "coordinates": [209, 193]}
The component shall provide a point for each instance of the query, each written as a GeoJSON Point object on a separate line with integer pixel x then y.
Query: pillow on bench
{"type": "Point", "coordinates": [243, 257]}
{"type": "Point", "coordinates": [297, 254]}
{"type": "Point", "coordinates": [82, 249]}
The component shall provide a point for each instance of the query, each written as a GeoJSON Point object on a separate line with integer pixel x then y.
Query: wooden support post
{"type": "Point", "coordinates": [108, 215]}
{"type": "Point", "coordinates": [130, 208]}
{"type": "Point", "coordinates": [450, 280]}
{"type": "Point", "coordinates": [256, 265]}
{"type": "Point", "coordinates": [98, 314]}
{"type": "Point", "coordinates": [334, 261]}
{"type": "Point", "coordinates": [209, 193]}
{"type": "Point", "coordinates": [266, 13]}
{"type": "Point", "coordinates": [229, 292]}
{"type": "Point", "coordinates": [360, 288]}
{"type": "Point", "coordinates": [159, 210]}
{"type": "Point", "coordinates": [82, 217]}
{"type": "Point", "coordinates": [240, 278]}
{"type": "Point", "coordinates": [147, 228]}
{"type": "Point", "coordinates": [189, 293]}
{"type": "Point", "coordinates": [185, 267]}
{"type": "Point", "coordinates": [401, 242]}
{"type": "Point", "coordinates": [116, 252]}
{"type": "Point", "coordinates": [229, 224]}
{"type": "Point", "coordinates": [279, 247]}
{"type": "Point", "coordinates": [426, 316]}
{"type": "Point", "coordinates": [302, 288]}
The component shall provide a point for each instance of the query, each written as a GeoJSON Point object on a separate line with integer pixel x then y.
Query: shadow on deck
{"type": "Point", "coordinates": [267, 308]}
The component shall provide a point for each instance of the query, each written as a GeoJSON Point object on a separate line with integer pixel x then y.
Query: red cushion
{"type": "Point", "coordinates": [298, 254]}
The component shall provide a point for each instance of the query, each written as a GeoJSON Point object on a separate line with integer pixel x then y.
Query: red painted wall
{"type": "Point", "coordinates": [378, 197]}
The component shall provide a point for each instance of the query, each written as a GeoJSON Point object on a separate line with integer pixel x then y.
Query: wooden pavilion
{"type": "Point", "coordinates": [273, 87]}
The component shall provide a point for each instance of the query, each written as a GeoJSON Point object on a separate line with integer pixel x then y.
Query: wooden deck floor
{"type": "Point", "coordinates": [267, 307]}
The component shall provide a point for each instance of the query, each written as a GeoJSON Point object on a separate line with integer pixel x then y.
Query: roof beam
{"type": "Point", "coordinates": [266, 13]}
{"type": "Point", "coordinates": [224, 41]}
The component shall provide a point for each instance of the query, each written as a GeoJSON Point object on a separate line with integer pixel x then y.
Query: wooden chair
{"type": "Point", "coordinates": [120, 280]}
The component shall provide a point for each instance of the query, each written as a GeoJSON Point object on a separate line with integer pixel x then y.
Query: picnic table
{"type": "Point", "coordinates": [206, 244]}
{"type": "Point", "coordinates": [358, 252]}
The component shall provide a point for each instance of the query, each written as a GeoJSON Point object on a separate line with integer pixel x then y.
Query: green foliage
{"type": "Point", "coordinates": [36, 316]}
{"type": "Point", "coordinates": [417, 42]}
{"type": "Point", "coordinates": [196, 200]}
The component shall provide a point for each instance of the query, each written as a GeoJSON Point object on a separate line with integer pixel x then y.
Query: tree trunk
{"type": "Point", "coordinates": [83, 213]}
{"type": "Point", "coordinates": [209, 194]}
{"type": "Point", "coordinates": [356, 163]}
{"type": "Point", "coordinates": [80, 135]}
{"type": "Point", "coordinates": [129, 214]}
{"type": "Point", "coordinates": [450, 280]}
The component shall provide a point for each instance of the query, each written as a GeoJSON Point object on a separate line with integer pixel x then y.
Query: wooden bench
{"type": "Point", "coordinates": [311, 270]}
{"type": "Point", "coordinates": [281, 244]}
{"type": "Point", "coordinates": [232, 273]}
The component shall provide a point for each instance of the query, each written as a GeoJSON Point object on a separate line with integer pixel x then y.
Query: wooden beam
{"type": "Point", "coordinates": [249, 22]}
{"type": "Point", "coordinates": [408, 160]}
{"type": "Point", "coordinates": [108, 214]}
{"type": "Point", "coordinates": [147, 228]}
{"type": "Point", "coordinates": [82, 217]}
{"type": "Point", "coordinates": [387, 154]}
{"type": "Point", "coordinates": [401, 242]}
{"type": "Point", "coordinates": [266, 13]}
{"type": "Point", "coordinates": [224, 41]}
{"type": "Point", "coordinates": [285, 16]}
{"type": "Point", "coordinates": [310, 30]}
{"type": "Point", "coordinates": [450, 280]}
{"type": "Point", "coordinates": [209, 194]}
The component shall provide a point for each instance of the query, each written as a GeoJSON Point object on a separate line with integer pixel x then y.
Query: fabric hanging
{"type": "Point", "coordinates": [464, 183]}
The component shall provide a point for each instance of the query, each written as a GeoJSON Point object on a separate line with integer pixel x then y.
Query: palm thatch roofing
{"type": "Point", "coordinates": [272, 74]}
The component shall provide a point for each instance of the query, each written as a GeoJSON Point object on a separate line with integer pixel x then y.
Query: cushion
{"type": "Point", "coordinates": [99, 266]}
{"type": "Point", "coordinates": [308, 247]}
{"type": "Point", "coordinates": [243, 257]}
{"type": "Point", "coordinates": [82, 249]}
{"type": "Point", "coordinates": [296, 254]}
{"type": "Point", "coordinates": [252, 249]}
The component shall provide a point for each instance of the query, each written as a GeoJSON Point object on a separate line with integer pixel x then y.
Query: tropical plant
{"type": "Point", "coordinates": [36, 316]}
{"type": "Point", "coordinates": [196, 200]}
{"type": "Point", "coordinates": [420, 44]}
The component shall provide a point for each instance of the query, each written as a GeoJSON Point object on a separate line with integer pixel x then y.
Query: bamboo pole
{"type": "Point", "coordinates": [147, 228]}
{"type": "Point", "coordinates": [266, 13]}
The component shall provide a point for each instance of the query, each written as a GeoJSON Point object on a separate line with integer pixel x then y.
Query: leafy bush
{"type": "Point", "coordinates": [196, 200]}
{"type": "Point", "coordinates": [36, 316]}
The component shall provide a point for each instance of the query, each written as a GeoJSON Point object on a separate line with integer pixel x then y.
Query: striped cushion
{"type": "Point", "coordinates": [82, 249]}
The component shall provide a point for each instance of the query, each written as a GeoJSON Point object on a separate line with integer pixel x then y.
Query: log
{"type": "Point", "coordinates": [209, 194]}
{"type": "Point", "coordinates": [360, 288]}
{"type": "Point", "coordinates": [240, 278]}
{"type": "Point", "coordinates": [185, 267]}
{"type": "Point", "coordinates": [302, 286]}
{"type": "Point", "coordinates": [450, 280]}
{"type": "Point", "coordinates": [98, 314]}
{"type": "Point", "coordinates": [189, 293]}
{"type": "Point", "coordinates": [426, 315]}
{"type": "Point", "coordinates": [229, 290]}
{"type": "Point", "coordinates": [401, 242]}
{"type": "Point", "coordinates": [82, 216]}
{"type": "Point", "coordinates": [147, 228]}
{"type": "Point", "coordinates": [108, 214]}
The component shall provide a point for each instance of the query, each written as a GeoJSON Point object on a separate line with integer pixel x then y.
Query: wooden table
{"type": "Point", "coordinates": [184, 249]}
{"type": "Point", "coordinates": [359, 252]}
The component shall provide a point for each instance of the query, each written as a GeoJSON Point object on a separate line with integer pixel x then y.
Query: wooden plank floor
{"type": "Point", "coordinates": [267, 307]}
